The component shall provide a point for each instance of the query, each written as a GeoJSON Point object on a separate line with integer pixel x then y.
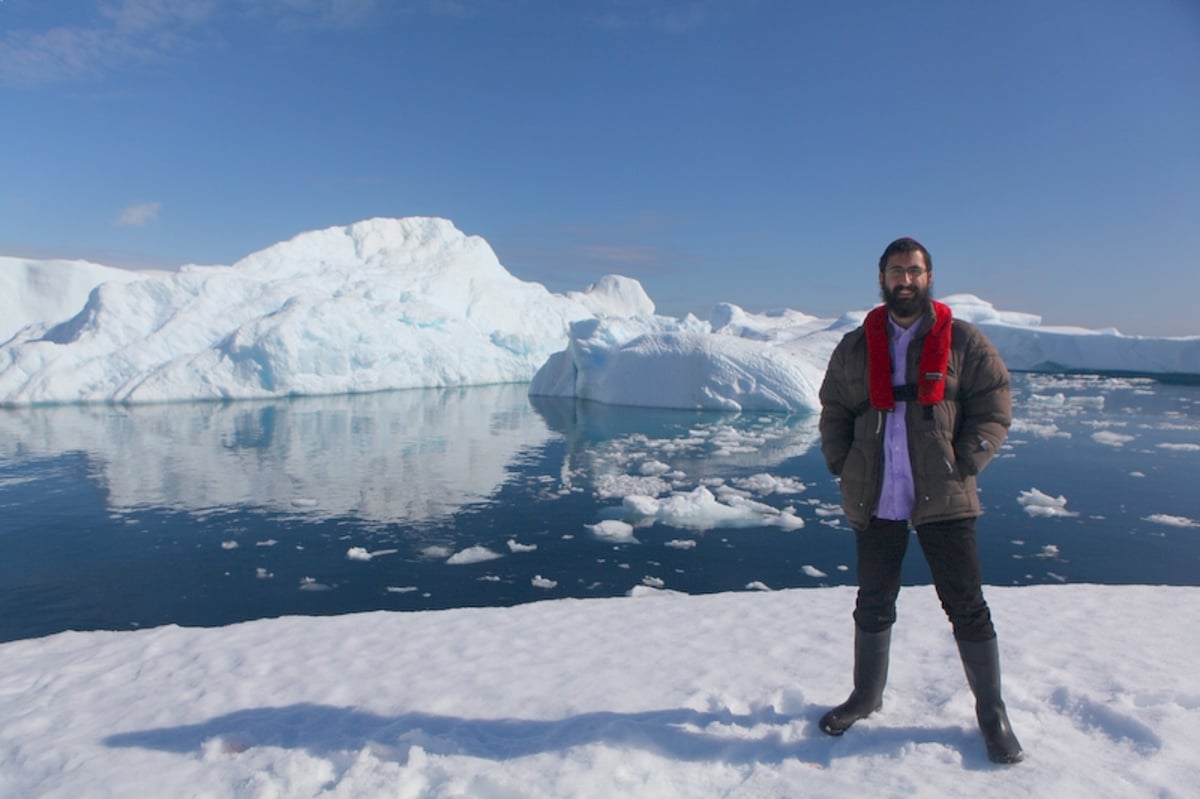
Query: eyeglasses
{"type": "Point", "coordinates": [897, 272]}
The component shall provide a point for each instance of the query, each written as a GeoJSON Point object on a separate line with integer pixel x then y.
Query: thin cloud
{"type": "Point", "coordinates": [32, 59]}
{"type": "Point", "coordinates": [138, 215]}
{"type": "Point", "coordinates": [120, 33]}
{"type": "Point", "coordinates": [134, 16]}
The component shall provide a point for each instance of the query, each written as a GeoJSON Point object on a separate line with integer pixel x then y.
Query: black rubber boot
{"type": "Point", "coordinates": [870, 675]}
{"type": "Point", "coordinates": [981, 661]}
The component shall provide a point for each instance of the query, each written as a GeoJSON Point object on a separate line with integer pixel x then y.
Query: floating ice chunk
{"type": "Point", "coordinates": [1038, 429]}
{"type": "Point", "coordinates": [700, 509]}
{"type": "Point", "coordinates": [1109, 438]}
{"type": "Point", "coordinates": [470, 555]}
{"type": "Point", "coordinates": [1049, 552]}
{"type": "Point", "coordinates": [1063, 401]}
{"type": "Point", "coordinates": [360, 553]}
{"type": "Point", "coordinates": [1037, 503]}
{"type": "Point", "coordinates": [1172, 521]}
{"type": "Point", "coordinates": [764, 484]}
{"type": "Point", "coordinates": [541, 582]}
{"type": "Point", "coordinates": [514, 546]}
{"type": "Point", "coordinates": [609, 486]}
{"type": "Point", "coordinates": [613, 530]}
{"type": "Point", "coordinates": [788, 520]}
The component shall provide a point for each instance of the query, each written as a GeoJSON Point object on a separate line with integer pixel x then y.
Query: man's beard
{"type": "Point", "coordinates": [908, 305]}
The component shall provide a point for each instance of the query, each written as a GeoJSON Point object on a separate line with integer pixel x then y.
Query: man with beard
{"type": "Point", "coordinates": [914, 404]}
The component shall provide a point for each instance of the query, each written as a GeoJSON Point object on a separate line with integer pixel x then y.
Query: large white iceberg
{"type": "Point", "coordinates": [406, 303]}
{"type": "Point", "coordinates": [381, 304]}
{"type": "Point", "coordinates": [690, 364]}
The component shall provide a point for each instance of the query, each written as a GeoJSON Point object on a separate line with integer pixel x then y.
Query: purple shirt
{"type": "Point", "coordinates": [898, 496]}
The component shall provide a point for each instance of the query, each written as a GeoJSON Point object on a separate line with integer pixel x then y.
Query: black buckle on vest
{"type": "Point", "coordinates": [905, 393]}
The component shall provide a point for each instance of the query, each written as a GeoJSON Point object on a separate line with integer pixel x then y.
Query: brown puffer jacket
{"type": "Point", "coordinates": [948, 443]}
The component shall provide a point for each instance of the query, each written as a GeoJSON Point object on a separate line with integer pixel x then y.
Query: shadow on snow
{"type": "Point", "coordinates": [681, 734]}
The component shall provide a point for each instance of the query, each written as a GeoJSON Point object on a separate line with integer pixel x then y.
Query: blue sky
{"type": "Point", "coordinates": [761, 152]}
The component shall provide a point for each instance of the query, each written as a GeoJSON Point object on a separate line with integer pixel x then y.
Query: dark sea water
{"type": "Point", "coordinates": [209, 514]}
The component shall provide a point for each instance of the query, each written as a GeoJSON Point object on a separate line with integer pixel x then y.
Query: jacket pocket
{"type": "Point", "coordinates": [857, 478]}
{"type": "Point", "coordinates": [937, 464]}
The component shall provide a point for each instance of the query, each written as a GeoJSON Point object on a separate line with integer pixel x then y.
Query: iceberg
{"type": "Point", "coordinates": [387, 304]}
{"type": "Point", "coordinates": [381, 304]}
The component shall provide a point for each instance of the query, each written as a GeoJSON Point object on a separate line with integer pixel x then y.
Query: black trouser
{"type": "Point", "coordinates": [953, 557]}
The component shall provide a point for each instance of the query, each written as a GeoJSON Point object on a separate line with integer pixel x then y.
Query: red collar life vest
{"type": "Point", "coordinates": [935, 356]}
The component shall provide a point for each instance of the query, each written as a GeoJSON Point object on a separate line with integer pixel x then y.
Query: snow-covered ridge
{"type": "Point", "coordinates": [34, 291]}
{"type": "Point", "coordinates": [405, 303]}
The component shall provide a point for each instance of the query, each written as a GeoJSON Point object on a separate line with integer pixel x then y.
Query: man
{"type": "Point", "coordinates": [914, 404]}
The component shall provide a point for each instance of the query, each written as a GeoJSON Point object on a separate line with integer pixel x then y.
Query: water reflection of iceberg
{"type": "Point", "coordinates": [403, 456]}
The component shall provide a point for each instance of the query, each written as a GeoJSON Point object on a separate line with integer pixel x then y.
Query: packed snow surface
{"type": "Point", "coordinates": [658, 695]}
{"type": "Point", "coordinates": [406, 303]}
